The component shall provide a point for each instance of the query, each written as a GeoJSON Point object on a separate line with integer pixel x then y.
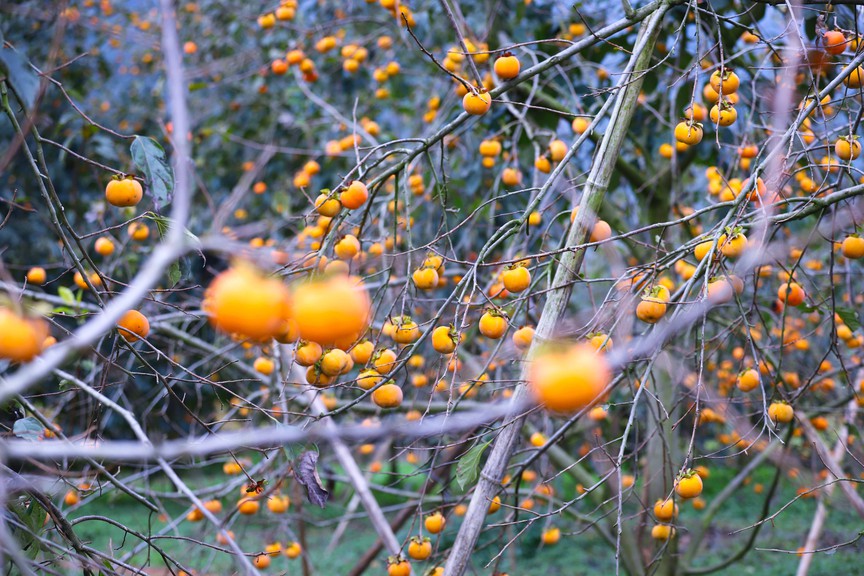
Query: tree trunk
{"type": "Point", "coordinates": [595, 190]}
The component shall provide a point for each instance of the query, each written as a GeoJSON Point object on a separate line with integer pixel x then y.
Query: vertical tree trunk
{"type": "Point", "coordinates": [662, 458]}
{"type": "Point", "coordinates": [556, 303]}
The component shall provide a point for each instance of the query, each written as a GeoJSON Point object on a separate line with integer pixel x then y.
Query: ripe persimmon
{"type": "Point", "coordinates": [331, 309]}
{"type": "Point", "coordinates": [362, 351]}
{"type": "Point", "coordinates": [71, 498]}
{"type": "Point", "coordinates": [242, 300]}
{"type": "Point", "coordinates": [444, 339]}
{"type": "Point", "coordinates": [354, 195]}
{"type": "Point", "coordinates": [334, 362]}
{"type": "Point", "coordinates": [293, 550]}
{"type": "Point", "coordinates": [384, 360]}
{"type": "Point", "coordinates": [580, 125]}
{"type": "Point", "coordinates": [388, 395]}
{"type": "Point", "coordinates": [834, 42]}
{"type": "Point", "coordinates": [493, 324]}
{"type": "Point", "coordinates": [434, 523]}
{"type": "Point", "coordinates": [732, 245]}
{"type": "Point", "coordinates": [523, 337]}
{"type": "Point", "coordinates": [248, 506]}
{"type": "Point", "coordinates": [600, 341]}
{"type": "Point", "coordinates": [725, 79]}
{"type": "Point", "coordinates": [702, 249]}
{"type": "Point", "coordinates": [104, 246]}
{"type": "Point", "coordinates": [133, 326]}
{"type": "Point", "coordinates": [723, 114]}
{"type": "Point", "coordinates": [213, 506]}
{"type": "Point", "coordinates": [307, 353]}
{"type": "Point", "coordinates": [516, 279]}
{"type": "Point", "coordinates": [476, 103]}
{"type": "Point", "coordinates": [543, 164]}
{"type": "Point", "coordinates": [419, 548]}
{"type": "Point", "coordinates": [855, 78]}
{"type": "Point", "coordinates": [780, 412]}
{"type": "Point", "coordinates": [407, 331]}
{"type": "Point", "coordinates": [688, 485]}
{"type": "Point", "coordinates": [138, 231]}
{"type": "Point", "coordinates": [551, 536]}
{"type": "Point", "coordinates": [852, 247]}
{"type": "Point", "coordinates": [369, 378]}
{"type": "Point", "coordinates": [748, 380]}
{"type": "Point", "coordinates": [600, 232]}
{"type": "Point", "coordinates": [570, 379]}
{"type": "Point", "coordinates": [347, 247]}
{"type": "Point", "coordinates": [792, 294]}
{"type": "Point", "coordinates": [688, 132]}
{"type": "Point", "coordinates": [557, 150]}
{"type": "Point", "coordinates": [652, 307]}
{"type": "Point", "coordinates": [285, 13]}
{"type": "Point", "coordinates": [37, 276]}
{"type": "Point", "coordinates": [511, 177]}
{"type": "Point", "coordinates": [263, 365]}
{"type": "Point", "coordinates": [278, 503]}
{"type": "Point", "coordinates": [507, 66]}
{"type": "Point", "coordinates": [425, 278]}
{"type": "Point", "coordinates": [847, 148]}
{"type": "Point", "coordinates": [124, 192]}
{"type": "Point", "coordinates": [537, 439]}
{"type": "Point", "coordinates": [665, 510]}
{"type": "Point", "coordinates": [21, 337]}
{"type": "Point", "coordinates": [327, 204]}
{"type": "Point", "coordinates": [397, 566]}
{"type": "Point", "coordinates": [490, 148]}
{"type": "Point", "coordinates": [267, 21]}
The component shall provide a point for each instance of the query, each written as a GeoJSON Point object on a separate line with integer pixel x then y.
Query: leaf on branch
{"type": "Point", "coordinates": [150, 158]}
{"type": "Point", "coordinates": [468, 467]}
{"type": "Point", "coordinates": [66, 295]}
{"type": "Point", "coordinates": [306, 472]}
{"type": "Point", "coordinates": [163, 223]}
{"type": "Point", "coordinates": [19, 74]}
{"type": "Point", "coordinates": [174, 274]}
{"type": "Point", "coordinates": [849, 317]}
{"type": "Point", "coordinates": [29, 429]}
{"type": "Point", "coordinates": [32, 516]}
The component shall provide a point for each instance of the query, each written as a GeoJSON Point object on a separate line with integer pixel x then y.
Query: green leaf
{"type": "Point", "coordinates": [468, 467]}
{"type": "Point", "coordinates": [849, 317]}
{"type": "Point", "coordinates": [151, 160]}
{"type": "Point", "coordinates": [32, 517]}
{"type": "Point", "coordinates": [66, 295]}
{"type": "Point", "coordinates": [35, 516]}
{"type": "Point", "coordinates": [174, 274]}
{"type": "Point", "coordinates": [28, 429]}
{"type": "Point", "coordinates": [163, 223]}
{"type": "Point", "coordinates": [22, 78]}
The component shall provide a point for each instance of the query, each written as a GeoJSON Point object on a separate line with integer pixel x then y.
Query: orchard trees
{"type": "Point", "coordinates": [483, 283]}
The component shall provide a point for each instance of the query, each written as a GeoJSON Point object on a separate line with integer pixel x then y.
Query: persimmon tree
{"type": "Point", "coordinates": [527, 269]}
